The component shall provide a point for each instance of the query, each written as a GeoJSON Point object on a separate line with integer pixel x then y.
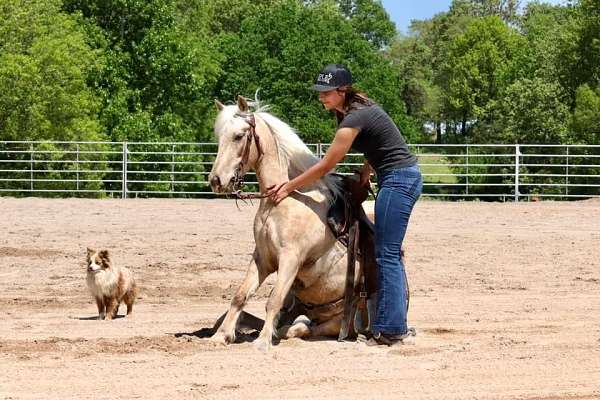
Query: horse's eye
{"type": "Point", "coordinates": [238, 136]}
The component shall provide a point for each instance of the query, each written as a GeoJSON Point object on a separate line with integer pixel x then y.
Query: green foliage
{"type": "Point", "coordinates": [528, 112]}
{"type": "Point", "coordinates": [369, 18]}
{"type": "Point", "coordinates": [588, 69]}
{"type": "Point", "coordinates": [148, 70]}
{"type": "Point", "coordinates": [480, 63]}
{"type": "Point", "coordinates": [44, 93]}
{"type": "Point", "coordinates": [159, 72]}
{"type": "Point", "coordinates": [551, 49]}
{"type": "Point", "coordinates": [586, 116]}
{"type": "Point", "coordinates": [279, 50]}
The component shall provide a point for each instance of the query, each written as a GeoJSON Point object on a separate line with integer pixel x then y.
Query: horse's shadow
{"type": "Point", "coordinates": [248, 329]}
{"type": "Point", "coordinates": [205, 333]}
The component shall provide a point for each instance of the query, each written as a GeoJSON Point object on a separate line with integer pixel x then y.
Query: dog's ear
{"type": "Point", "coordinates": [90, 252]}
{"type": "Point", "coordinates": [104, 256]}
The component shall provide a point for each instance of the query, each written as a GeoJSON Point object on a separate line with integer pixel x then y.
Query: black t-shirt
{"type": "Point", "coordinates": [378, 138]}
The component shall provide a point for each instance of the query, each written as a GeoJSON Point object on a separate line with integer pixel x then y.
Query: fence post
{"type": "Point", "coordinates": [172, 170]}
{"type": "Point", "coordinates": [567, 177]}
{"type": "Point", "coordinates": [319, 150]}
{"type": "Point", "coordinates": [467, 170]}
{"type": "Point", "coordinates": [517, 168]}
{"type": "Point", "coordinates": [124, 173]}
{"type": "Point", "coordinates": [31, 167]}
{"type": "Point", "coordinates": [77, 167]}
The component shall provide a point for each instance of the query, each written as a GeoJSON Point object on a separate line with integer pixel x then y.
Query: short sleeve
{"type": "Point", "coordinates": [353, 120]}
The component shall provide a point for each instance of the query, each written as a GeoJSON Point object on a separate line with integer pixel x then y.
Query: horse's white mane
{"type": "Point", "coordinates": [292, 151]}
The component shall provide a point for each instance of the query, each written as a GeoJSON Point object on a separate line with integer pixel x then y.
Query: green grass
{"type": "Point", "coordinates": [433, 169]}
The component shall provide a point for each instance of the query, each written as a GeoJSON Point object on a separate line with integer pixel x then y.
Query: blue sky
{"type": "Point", "coordinates": [402, 11]}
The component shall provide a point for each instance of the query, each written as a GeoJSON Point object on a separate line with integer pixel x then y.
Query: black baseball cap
{"type": "Point", "coordinates": [332, 77]}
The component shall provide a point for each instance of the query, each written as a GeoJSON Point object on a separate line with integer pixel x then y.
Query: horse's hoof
{"type": "Point", "coordinates": [262, 345]}
{"type": "Point", "coordinates": [222, 339]}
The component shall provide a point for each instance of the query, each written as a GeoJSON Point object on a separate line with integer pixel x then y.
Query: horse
{"type": "Point", "coordinates": [292, 238]}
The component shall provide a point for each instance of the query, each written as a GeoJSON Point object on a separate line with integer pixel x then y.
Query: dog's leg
{"type": "Point", "coordinates": [255, 276]}
{"type": "Point", "coordinates": [112, 306]}
{"type": "Point", "coordinates": [128, 299]}
{"type": "Point", "coordinates": [101, 308]}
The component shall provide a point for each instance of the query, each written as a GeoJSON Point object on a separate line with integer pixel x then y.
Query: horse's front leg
{"type": "Point", "coordinates": [286, 274]}
{"type": "Point", "coordinates": [255, 276]}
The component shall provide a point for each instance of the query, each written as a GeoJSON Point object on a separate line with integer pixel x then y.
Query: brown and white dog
{"type": "Point", "coordinates": [109, 284]}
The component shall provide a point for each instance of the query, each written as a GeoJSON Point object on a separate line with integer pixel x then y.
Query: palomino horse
{"type": "Point", "coordinates": [292, 238]}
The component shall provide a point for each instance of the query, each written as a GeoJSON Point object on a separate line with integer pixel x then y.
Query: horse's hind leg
{"type": "Point", "coordinates": [328, 328]}
{"type": "Point", "coordinates": [299, 328]}
{"type": "Point", "coordinates": [254, 278]}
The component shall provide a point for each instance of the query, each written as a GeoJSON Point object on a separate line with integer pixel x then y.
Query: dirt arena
{"type": "Point", "coordinates": [505, 299]}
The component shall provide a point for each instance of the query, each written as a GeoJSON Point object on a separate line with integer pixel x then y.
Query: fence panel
{"type": "Point", "coordinates": [121, 169]}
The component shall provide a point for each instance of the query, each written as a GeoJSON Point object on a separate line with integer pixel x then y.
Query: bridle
{"type": "Point", "coordinates": [238, 175]}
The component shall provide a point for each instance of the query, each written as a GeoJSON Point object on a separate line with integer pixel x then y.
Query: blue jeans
{"type": "Point", "coordinates": [399, 190]}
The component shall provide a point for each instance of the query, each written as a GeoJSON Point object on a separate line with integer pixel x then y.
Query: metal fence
{"type": "Point", "coordinates": [101, 169]}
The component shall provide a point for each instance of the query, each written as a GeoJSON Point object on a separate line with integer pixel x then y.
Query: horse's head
{"type": "Point", "coordinates": [239, 148]}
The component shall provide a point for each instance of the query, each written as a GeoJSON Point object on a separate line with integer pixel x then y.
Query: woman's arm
{"type": "Point", "coordinates": [337, 151]}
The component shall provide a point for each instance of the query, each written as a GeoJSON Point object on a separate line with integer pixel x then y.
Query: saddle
{"type": "Point", "coordinates": [351, 226]}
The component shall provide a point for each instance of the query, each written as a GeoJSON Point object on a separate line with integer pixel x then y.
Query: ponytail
{"type": "Point", "coordinates": [353, 100]}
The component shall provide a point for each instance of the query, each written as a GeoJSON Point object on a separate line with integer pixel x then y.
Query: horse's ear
{"type": "Point", "coordinates": [219, 105]}
{"type": "Point", "coordinates": [243, 104]}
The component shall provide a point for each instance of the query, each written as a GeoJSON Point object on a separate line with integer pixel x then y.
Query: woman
{"type": "Point", "coordinates": [365, 127]}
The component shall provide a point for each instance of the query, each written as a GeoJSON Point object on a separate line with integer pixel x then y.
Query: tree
{"type": "Point", "coordinates": [160, 72]}
{"type": "Point", "coordinates": [586, 116]}
{"type": "Point", "coordinates": [480, 64]}
{"type": "Point", "coordinates": [588, 70]}
{"type": "Point", "coordinates": [279, 50]}
{"type": "Point", "coordinates": [369, 18]}
{"type": "Point", "coordinates": [507, 10]}
{"type": "Point", "coordinates": [527, 112]}
{"type": "Point", "coordinates": [411, 57]}
{"type": "Point", "coordinates": [43, 83]}
{"type": "Point", "coordinates": [551, 51]}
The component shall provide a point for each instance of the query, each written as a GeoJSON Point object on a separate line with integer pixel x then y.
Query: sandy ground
{"type": "Point", "coordinates": [505, 299]}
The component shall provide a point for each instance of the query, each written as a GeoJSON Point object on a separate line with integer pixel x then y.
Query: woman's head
{"type": "Point", "coordinates": [334, 84]}
{"type": "Point", "coordinates": [331, 77]}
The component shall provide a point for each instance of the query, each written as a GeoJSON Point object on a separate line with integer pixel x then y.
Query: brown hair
{"type": "Point", "coordinates": [353, 99]}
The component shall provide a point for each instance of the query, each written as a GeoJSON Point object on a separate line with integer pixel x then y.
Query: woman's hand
{"type": "Point", "coordinates": [339, 147]}
{"type": "Point", "coordinates": [278, 192]}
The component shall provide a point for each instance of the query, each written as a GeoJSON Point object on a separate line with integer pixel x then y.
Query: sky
{"type": "Point", "coordinates": [403, 11]}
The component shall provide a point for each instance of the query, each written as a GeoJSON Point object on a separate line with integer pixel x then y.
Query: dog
{"type": "Point", "coordinates": [109, 284]}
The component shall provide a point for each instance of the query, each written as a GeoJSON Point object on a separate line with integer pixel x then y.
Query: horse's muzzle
{"type": "Point", "coordinates": [217, 185]}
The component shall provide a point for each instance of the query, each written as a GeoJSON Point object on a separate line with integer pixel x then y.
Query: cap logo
{"type": "Point", "coordinates": [325, 78]}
